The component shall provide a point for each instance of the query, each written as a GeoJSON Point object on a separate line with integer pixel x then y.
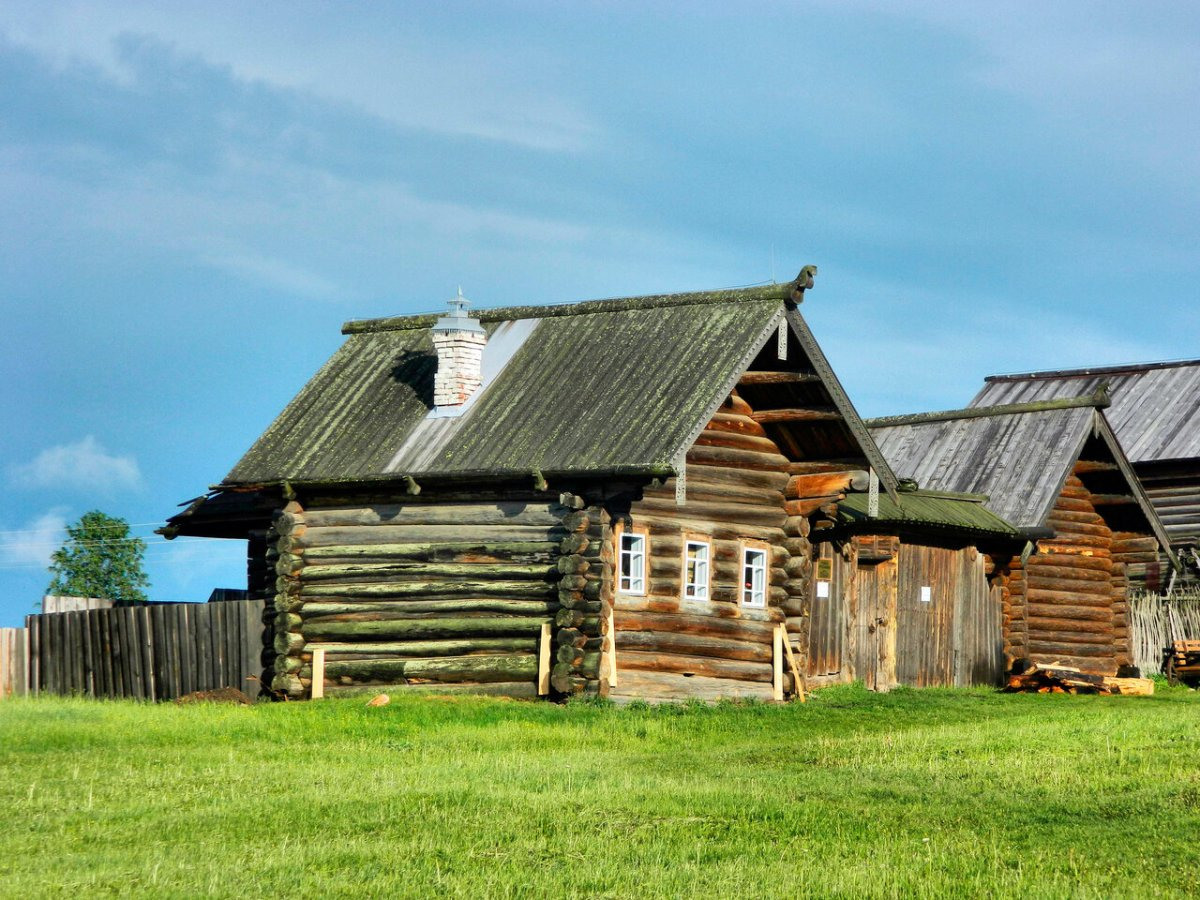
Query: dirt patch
{"type": "Point", "coordinates": [220, 695]}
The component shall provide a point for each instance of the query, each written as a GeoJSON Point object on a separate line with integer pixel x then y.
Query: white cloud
{"type": "Point", "coordinates": [85, 464]}
{"type": "Point", "coordinates": [32, 544]}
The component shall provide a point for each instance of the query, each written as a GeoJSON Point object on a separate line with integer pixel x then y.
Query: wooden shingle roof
{"type": "Point", "coordinates": [1155, 409]}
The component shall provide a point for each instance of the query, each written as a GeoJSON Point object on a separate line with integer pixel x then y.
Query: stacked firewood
{"type": "Point", "coordinates": [1042, 679]}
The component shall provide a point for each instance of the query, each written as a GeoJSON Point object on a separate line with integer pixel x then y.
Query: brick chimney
{"type": "Point", "coordinates": [458, 340]}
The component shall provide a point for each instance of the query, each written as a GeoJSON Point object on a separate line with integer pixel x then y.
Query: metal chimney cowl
{"type": "Point", "coordinates": [459, 341]}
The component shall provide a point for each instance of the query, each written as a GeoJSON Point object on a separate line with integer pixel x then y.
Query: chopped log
{"type": "Point", "coordinates": [811, 505]}
{"type": "Point", "coordinates": [736, 423]}
{"type": "Point", "coordinates": [1053, 648]}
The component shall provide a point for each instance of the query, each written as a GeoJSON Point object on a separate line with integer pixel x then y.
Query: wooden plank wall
{"type": "Point", "coordinates": [446, 591]}
{"type": "Point", "coordinates": [830, 657]}
{"type": "Point", "coordinates": [147, 652]}
{"type": "Point", "coordinates": [14, 662]}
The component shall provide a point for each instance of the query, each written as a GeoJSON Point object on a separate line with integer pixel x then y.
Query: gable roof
{"type": "Point", "coordinates": [609, 387]}
{"type": "Point", "coordinates": [1155, 409]}
{"type": "Point", "coordinates": [1019, 455]}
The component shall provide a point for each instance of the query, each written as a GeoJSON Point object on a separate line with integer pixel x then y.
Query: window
{"type": "Point", "coordinates": [754, 577]}
{"type": "Point", "coordinates": [695, 570]}
{"type": "Point", "coordinates": [633, 563]}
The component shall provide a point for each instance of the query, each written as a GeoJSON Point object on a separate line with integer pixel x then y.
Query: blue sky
{"type": "Point", "coordinates": [194, 196]}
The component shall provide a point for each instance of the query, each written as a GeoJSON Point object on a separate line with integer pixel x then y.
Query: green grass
{"type": "Point", "coordinates": [934, 792]}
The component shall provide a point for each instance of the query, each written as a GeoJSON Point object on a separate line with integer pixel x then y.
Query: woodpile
{"type": "Point", "coordinates": [1047, 679]}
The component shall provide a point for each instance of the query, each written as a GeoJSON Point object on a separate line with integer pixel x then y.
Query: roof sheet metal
{"type": "Point", "coordinates": [927, 509]}
{"type": "Point", "coordinates": [617, 387]}
{"type": "Point", "coordinates": [1019, 460]}
{"type": "Point", "coordinates": [1155, 409]}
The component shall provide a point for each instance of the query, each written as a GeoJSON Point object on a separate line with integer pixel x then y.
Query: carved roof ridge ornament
{"type": "Point", "coordinates": [802, 283]}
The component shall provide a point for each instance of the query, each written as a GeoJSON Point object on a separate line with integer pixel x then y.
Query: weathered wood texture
{"type": "Point", "coordinates": [14, 662]}
{"type": "Point", "coordinates": [147, 652]}
{"type": "Point", "coordinates": [428, 590]}
{"type": "Point", "coordinates": [1156, 621]}
{"type": "Point", "coordinates": [831, 612]}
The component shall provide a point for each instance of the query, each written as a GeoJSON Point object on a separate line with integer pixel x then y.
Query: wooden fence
{"type": "Point", "coordinates": [1155, 621]}
{"type": "Point", "coordinates": [14, 657]}
{"type": "Point", "coordinates": [148, 652]}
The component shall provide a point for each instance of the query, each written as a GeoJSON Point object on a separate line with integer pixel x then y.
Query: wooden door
{"type": "Point", "coordinates": [875, 625]}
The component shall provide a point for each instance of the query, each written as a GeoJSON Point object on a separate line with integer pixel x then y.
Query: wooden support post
{"type": "Point", "coordinates": [797, 680]}
{"type": "Point", "coordinates": [777, 666]}
{"type": "Point", "coordinates": [318, 673]}
{"type": "Point", "coordinates": [543, 685]}
{"type": "Point", "coordinates": [612, 652]}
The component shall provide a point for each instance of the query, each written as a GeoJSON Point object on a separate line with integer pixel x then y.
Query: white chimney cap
{"type": "Point", "coordinates": [457, 319]}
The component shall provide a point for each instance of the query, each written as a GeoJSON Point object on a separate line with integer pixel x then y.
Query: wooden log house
{"type": "Point", "coordinates": [1055, 470]}
{"type": "Point", "coordinates": [1155, 414]}
{"type": "Point", "coordinates": [611, 497]}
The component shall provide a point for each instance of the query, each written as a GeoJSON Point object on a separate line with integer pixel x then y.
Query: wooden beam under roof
{"type": "Point", "coordinates": [809, 414]}
{"type": "Point", "coordinates": [1087, 466]}
{"type": "Point", "coordinates": [779, 378]}
{"type": "Point", "coordinates": [1112, 499]}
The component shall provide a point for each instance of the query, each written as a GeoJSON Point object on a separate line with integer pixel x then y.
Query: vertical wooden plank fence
{"type": "Point", "coordinates": [146, 652]}
{"type": "Point", "coordinates": [1155, 621]}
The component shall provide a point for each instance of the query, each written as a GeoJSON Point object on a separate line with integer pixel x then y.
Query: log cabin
{"type": "Point", "coordinates": [611, 498]}
{"type": "Point", "coordinates": [1056, 471]}
{"type": "Point", "coordinates": [1155, 414]}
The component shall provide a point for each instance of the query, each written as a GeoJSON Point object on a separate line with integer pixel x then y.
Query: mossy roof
{"type": "Point", "coordinates": [931, 510]}
{"type": "Point", "coordinates": [604, 387]}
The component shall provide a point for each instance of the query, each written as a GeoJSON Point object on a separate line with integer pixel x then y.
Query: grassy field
{"type": "Point", "coordinates": [934, 793]}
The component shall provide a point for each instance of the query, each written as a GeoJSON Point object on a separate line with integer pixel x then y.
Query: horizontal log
{"type": "Point", "coordinates": [693, 645]}
{"type": "Point", "coordinates": [1039, 582]}
{"type": "Point", "coordinates": [670, 524]}
{"type": "Point", "coordinates": [373, 572]}
{"type": "Point", "coordinates": [716, 474]}
{"type": "Point", "coordinates": [684, 623]}
{"type": "Point", "coordinates": [1076, 543]}
{"type": "Point", "coordinates": [728, 513]}
{"type": "Point", "coordinates": [811, 505]}
{"type": "Point", "coordinates": [756, 378]}
{"type": "Point", "coordinates": [638, 660]}
{"type": "Point", "coordinates": [445, 551]}
{"type": "Point", "coordinates": [801, 414]}
{"type": "Point", "coordinates": [701, 490]}
{"type": "Point", "coordinates": [1069, 560]}
{"type": "Point", "coordinates": [825, 483]}
{"type": "Point", "coordinates": [1049, 628]}
{"type": "Point", "coordinates": [1068, 572]}
{"type": "Point", "coordinates": [1088, 466]}
{"type": "Point", "coordinates": [461, 647]}
{"type": "Point", "coordinates": [417, 629]}
{"type": "Point", "coordinates": [1113, 499]}
{"type": "Point", "coordinates": [1085, 517]}
{"type": "Point", "coordinates": [735, 423]}
{"type": "Point", "coordinates": [405, 608]}
{"type": "Point", "coordinates": [736, 440]}
{"type": "Point", "coordinates": [1100, 666]}
{"type": "Point", "coordinates": [1068, 529]}
{"type": "Point", "coordinates": [1066, 611]}
{"type": "Point", "coordinates": [736, 459]}
{"type": "Point", "coordinates": [431, 589]}
{"type": "Point", "coordinates": [400, 534]}
{"type": "Point", "coordinates": [519, 690]}
{"type": "Point", "coordinates": [1068, 598]}
{"type": "Point", "coordinates": [673, 603]}
{"type": "Point", "coordinates": [485, 514]}
{"type": "Point", "coordinates": [450, 669]}
{"type": "Point", "coordinates": [673, 687]}
{"type": "Point", "coordinates": [1097, 650]}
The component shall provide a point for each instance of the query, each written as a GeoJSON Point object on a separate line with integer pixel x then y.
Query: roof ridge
{"type": "Point", "coordinates": [772, 291]}
{"type": "Point", "coordinates": [1122, 369]}
{"type": "Point", "coordinates": [1098, 399]}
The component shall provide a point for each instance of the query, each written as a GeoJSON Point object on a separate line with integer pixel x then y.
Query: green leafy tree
{"type": "Point", "coordinates": [100, 559]}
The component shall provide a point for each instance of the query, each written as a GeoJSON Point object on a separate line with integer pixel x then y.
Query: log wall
{"type": "Point", "coordinates": [736, 487]}
{"type": "Point", "coordinates": [1068, 604]}
{"type": "Point", "coordinates": [419, 591]}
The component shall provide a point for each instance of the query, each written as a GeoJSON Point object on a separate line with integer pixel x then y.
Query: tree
{"type": "Point", "coordinates": [100, 559]}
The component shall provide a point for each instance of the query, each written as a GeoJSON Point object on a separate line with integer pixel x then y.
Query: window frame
{"type": "Point", "coordinates": [745, 592]}
{"type": "Point", "coordinates": [690, 541]}
{"type": "Point", "coordinates": [642, 535]}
